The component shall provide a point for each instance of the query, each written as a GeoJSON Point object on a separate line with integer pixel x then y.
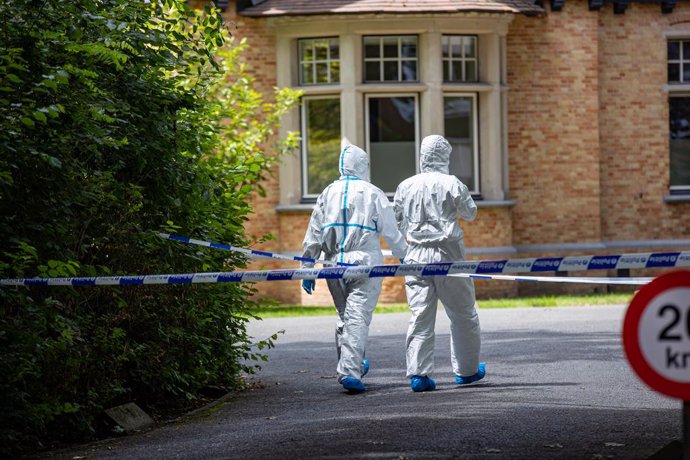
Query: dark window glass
{"type": "Point", "coordinates": [390, 70]}
{"type": "Point", "coordinates": [673, 50]}
{"type": "Point", "coordinates": [392, 140]}
{"type": "Point", "coordinates": [674, 72]}
{"type": "Point", "coordinates": [679, 108]}
{"type": "Point", "coordinates": [459, 119]}
{"type": "Point", "coordinates": [371, 47]}
{"type": "Point", "coordinates": [372, 71]}
{"type": "Point", "coordinates": [390, 47]}
{"type": "Point", "coordinates": [409, 70]}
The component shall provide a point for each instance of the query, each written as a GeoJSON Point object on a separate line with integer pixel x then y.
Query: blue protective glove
{"type": "Point", "coordinates": [308, 286]}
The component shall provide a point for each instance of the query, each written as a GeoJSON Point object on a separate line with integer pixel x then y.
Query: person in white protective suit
{"type": "Point", "coordinates": [427, 208]}
{"type": "Point", "coordinates": [348, 220]}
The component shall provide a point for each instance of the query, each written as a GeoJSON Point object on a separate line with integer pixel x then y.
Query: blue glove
{"type": "Point", "coordinates": [308, 286]}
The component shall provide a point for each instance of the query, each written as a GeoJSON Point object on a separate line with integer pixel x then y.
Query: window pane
{"type": "Point", "coordinates": [679, 108]}
{"type": "Point", "coordinates": [674, 72]}
{"type": "Point", "coordinates": [409, 70]}
{"type": "Point", "coordinates": [322, 137]}
{"type": "Point", "coordinates": [371, 47]}
{"type": "Point", "coordinates": [372, 71]}
{"type": "Point", "coordinates": [459, 122]}
{"type": "Point", "coordinates": [335, 49]}
{"type": "Point", "coordinates": [456, 48]}
{"type": "Point", "coordinates": [686, 72]}
{"type": "Point", "coordinates": [322, 72]}
{"type": "Point", "coordinates": [686, 50]}
{"type": "Point", "coordinates": [457, 71]}
{"type": "Point", "coordinates": [470, 47]}
{"type": "Point", "coordinates": [446, 71]}
{"type": "Point", "coordinates": [392, 140]}
{"type": "Point", "coordinates": [307, 74]}
{"type": "Point", "coordinates": [470, 71]}
{"type": "Point", "coordinates": [390, 47]}
{"type": "Point", "coordinates": [321, 48]}
{"type": "Point", "coordinates": [409, 46]}
{"type": "Point", "coordinates": [305, 50]}
{"type": "Point", "coordinates": [445, 46]}
{"type": "Point", "coordinates": [390, 71]}
{"type": "Point", "coordinates": [673, 49]}
{"type": "Point", "coordinates": [335, 72]}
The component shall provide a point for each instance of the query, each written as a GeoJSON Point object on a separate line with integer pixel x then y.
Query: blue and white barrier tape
{"type": "Point", "coordinates": [249, 252]}
{"type": "Point", "coordinates": [464, 268]}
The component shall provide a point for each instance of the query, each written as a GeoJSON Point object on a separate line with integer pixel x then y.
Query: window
{"type": "Point", "coordinates": [319, 61]}
{"type": "Point", "coordinates": [390, 58]}
{"type": "Point", "coordinates": [320, 143]}
{"type": "Point", "coordinates": [678, 61]}
{"type": "Point", "coordinates": [460, 125]}
{"type": "Point", "coordinates": [460, 58]}
{"type": "Point", "coordinates": [392, 125]}
{"type": "Point", "coordinates": [679, 111]}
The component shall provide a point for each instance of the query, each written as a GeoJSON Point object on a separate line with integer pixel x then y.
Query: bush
{"type": "Point", "coordinates": [110, 128]}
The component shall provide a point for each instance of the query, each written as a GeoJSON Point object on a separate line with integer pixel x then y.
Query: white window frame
{"type": "Point", "coordinates": [417, 130]}
{"type": "Point", "coordinates": [303, 148]}
{"type": "Point", "coordinates": [451, 59]}
{"type": "Point", "coordinates": [381, 59]}
{"type": "Point", "coordinates": [676, 189]}
{"type": "Point", "coordinates": [475, 134]}
{"type": "Point", "coordinates": [315, 61]}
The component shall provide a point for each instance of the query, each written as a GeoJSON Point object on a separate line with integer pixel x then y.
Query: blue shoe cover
{"type": "Point", "coordinates": [352, 385]}
{"type": "Point", "coordinates": [422, 383]}
{"type": "Point", "coordinates": [481, 372]}
{"type": "Point", "coordinates": [365, 367]}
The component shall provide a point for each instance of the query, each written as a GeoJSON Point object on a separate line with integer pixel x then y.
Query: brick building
{"type": "Point", "coordinates": [570, 119]}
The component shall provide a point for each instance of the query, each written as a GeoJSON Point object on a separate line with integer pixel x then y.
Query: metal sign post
{"type": "Point", "coordinates": [656, 339]}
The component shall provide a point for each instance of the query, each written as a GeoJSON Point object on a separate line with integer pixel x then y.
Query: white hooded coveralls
{"type": "Point", "coordinates": [348, 220]}
{"type": "Point", "coordinates": [427, 208]}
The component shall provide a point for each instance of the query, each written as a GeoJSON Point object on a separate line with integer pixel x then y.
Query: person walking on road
{"type": "Point", "coordinates": [349, 217]}
{"type": "Point", "coordinates": [427, 208]}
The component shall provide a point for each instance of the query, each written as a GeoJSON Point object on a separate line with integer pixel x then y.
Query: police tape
{"type": "Point", "coordinates": [540, 264]}
{"type": "Point", "coordinates": [470, 269]}
{"type": "Point", "coordinates": [249, 252]}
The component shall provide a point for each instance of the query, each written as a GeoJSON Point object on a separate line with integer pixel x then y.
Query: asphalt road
{"type": "Point", "coordinates": [557, 386]}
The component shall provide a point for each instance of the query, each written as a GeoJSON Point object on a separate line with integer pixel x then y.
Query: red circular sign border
{"type": "Point", "coordinates": [631, 345]}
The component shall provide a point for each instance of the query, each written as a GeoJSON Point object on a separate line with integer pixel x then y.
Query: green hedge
{"type": "Point", "coordinates": [110, 129]}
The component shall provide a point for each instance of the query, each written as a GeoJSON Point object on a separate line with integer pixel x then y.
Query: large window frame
{"type": "Point", "coordinates": [328, 61]}
{"type": "Point", "coordinates": [678, 87]}
{"type": "Point", "coordinates": [475, 190]}
{"type": "Point", "coordinates": [684, 131]}
{"type": "Point", "coordinates": [463, 59]}
{"type": "Point", "coordinates": [399, 59]}
{"type": "Point", "coordinates": [304, 147]}
{"type": "Point", "coordinates": [492, 180]}
{"type": "Point", "coordinates": [367, 124]}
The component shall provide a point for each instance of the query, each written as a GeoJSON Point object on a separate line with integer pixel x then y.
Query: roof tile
{"type": "Point", "coordinates": [307, 7]}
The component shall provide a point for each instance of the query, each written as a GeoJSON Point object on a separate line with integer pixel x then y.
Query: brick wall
{"type": "Point", "coordinates": [553, 113]}
{"type": "Point", "coordinates": [634, 126]}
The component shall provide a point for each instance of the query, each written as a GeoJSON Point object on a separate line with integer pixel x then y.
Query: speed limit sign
{"type": "Point", "coordinates": [656, 334]}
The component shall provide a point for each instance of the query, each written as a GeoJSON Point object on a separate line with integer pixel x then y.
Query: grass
{"type": "Point", "coordinates": [282, 311]}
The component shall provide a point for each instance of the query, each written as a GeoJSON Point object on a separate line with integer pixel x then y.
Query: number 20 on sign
{"type": "Point", "coordinates": [656, 334]}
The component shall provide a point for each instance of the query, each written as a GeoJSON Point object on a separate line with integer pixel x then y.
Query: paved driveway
{"type": "Point", "coordinates": [557, 386]}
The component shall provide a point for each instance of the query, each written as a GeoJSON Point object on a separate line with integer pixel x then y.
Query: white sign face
{"type": "Point", "coordinates": [664, 334]}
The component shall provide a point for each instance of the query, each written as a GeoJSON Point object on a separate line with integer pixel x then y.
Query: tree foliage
{"type": "Point", "coordinates": [119, 118]}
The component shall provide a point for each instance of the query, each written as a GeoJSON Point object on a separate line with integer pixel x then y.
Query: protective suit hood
{"type": "Point", "coordinates": [434, 155]}
{"type": "Point", "coordinates": [354, 162]}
